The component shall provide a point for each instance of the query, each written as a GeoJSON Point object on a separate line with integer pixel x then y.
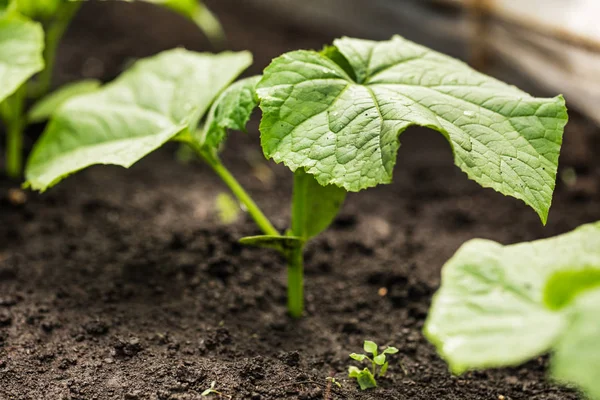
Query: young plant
{"type": "Point", "coordinates": [503, 305]}
{"type": "Point", "coordinates": [211, 390]}
{"type": "Point", "coordinates": [30, 32]}
{"type": "Point", "coordinates": [366, 377]}
{"type": "Point", "coordinates": [333, 117]}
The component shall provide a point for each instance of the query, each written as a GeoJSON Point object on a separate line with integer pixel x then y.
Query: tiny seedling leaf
{"type": "Point", "coordinates": [148, 105]}
{"type": "Point", "coordinates": [231, 110]}
{"type": "Point", "coordinates": [370, 347]}
{"type": "Point", "coordinates": [43, 109]}
{"type": "Point", "coordinates": [353, 372]}
{"type": "Point", "coordinates": [577, 355]}
{"type": "Point", "coordinates": [358, 357]}
{"type": "Point", "coordinates": [343, 127]}
{"type": "Point", "coordinates": [283, 244]}
{"type": "Point", "coordinates": [390, 350]}
{"type": "Point", "coordinates": [384, 369]}
{"type": "Point", "coordinates": [491, 309]}
{"type": "Point", "coordinates": [366, 380]}
{"type": "Point", "coordinates": [21, 47]}
{"type": "Point", "coordinates": [380, 359]}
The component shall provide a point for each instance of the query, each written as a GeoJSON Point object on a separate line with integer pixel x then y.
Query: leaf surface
{"type": "Point", "coordinates": [145, 107]}
{"type": "Point", "coordinates": [343, 128]}
{"type": "Point", "coordinates": [577, 355]}
{"type": "Point", "coordinates": [21, 47]}
{"type": "Point", "coordinates": [231, 110]}
{"type": "Point", "coordinates": [43, 109]}
{"type": "Point", "coordinates": [491, 311]}
{"type": "Point", "coordinates": [319, 205]}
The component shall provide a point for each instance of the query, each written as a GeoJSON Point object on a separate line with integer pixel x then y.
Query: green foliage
{"type": "Point", "coordinates": [157, 99]}
{"type": "Point", "coordinates": [333, 117]}
{"type": "Point", "coordinates": [43, 109]}
{"type": "Point", "coordinates": [342, 125]}
{"type": "Point", "coordinates": [366, 377]}
{"type": "Point", "coordinates": [315, 205]}
{"type": "Point", "coordinates": [21, 47]}
{"type": "Point", "coordinates": [576, 356]}
{"type": "Point", "coordinates": [503, 305]}
{"type": "Point", "coordinates": [231, 110]}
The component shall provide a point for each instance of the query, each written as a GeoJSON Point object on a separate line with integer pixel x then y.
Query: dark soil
{"type": "Point", "coordinates": [122, 284]}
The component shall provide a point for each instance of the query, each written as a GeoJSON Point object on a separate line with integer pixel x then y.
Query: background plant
{"type": "Point", "coordinates": [379, 365]}
{"type": "Point", "coordinates": [30, 32]}
{"type": "Point", "coordinates": [333, 117]}
{"type": "Point", "coordinates": [503, 305]}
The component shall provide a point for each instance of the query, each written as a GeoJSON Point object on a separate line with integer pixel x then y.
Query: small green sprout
{"type": "Point", "coordinates": [334, 381]}
{"type": "Point", "coordinates": [211, 390]}
{"type": "Point", "coordinates": [366, 377]}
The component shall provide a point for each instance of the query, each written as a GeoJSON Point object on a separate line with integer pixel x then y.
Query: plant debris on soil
{"type": "Point", "coordinates": [124, 284]}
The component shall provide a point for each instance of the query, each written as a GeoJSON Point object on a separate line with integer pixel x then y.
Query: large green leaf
{"type": "Point", "coordinates": [21, 47]}
{"type": "Point", "coordinates": [339, 114]}
{"type": "Point", "coordinates": [491, 308]}
{"type": "Point", "coordinates": [44, 108]}
{"type": "Point", "coordinates": [577, 355]}
{"type": "Point", "coordinates": [231, 110]}
{"type": "Point", "coordinates": [149, 104]}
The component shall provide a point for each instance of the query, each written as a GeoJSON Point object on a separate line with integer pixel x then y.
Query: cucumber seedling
{"type": "Point", "coordinates": [212, 391]}
{"type": "Point", "coordinates": [379, 365]}
{"type": "Point", "coordinates": [333, 117]}
{"type": "Point", "coordinates": [30, 33]}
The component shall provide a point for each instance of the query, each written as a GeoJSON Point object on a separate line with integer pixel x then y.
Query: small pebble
{"type": "Point", "coordinates": [17, 197]}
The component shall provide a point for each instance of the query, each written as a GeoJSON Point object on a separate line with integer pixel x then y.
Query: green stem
{"type": "Point", "coordinates": [210, 25]}
{"type": "Point", "coordinates": [54, 33]}
{"type": "Point", "coordinates": [296, 256]}
{"type": "Point", "coordinates": [296, 282]}
{"type": "Point", "coordinates": [12, 114]}
{"type": "Point", "coordinates": [255, 212]}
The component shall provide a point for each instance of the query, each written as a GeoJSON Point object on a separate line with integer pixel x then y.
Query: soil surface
{"type": "Point", "coordinates": [123, 284]}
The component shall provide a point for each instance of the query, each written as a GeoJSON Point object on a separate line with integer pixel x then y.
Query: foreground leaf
{"type": "Point", "coordinates": [43, 109]}
{"type": "Point", "coordinates": [136, 114]}
{"type": "Point", "coordinates": [342, 125]}
{"type": "Point", "coordinates": [21, 47]}
{"type": "Point", "coordinates": [231, 110]}
{"type": "Point", "coordinates": [491, 308]}
{"type": "Point", "coordinates": [577, 355]}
